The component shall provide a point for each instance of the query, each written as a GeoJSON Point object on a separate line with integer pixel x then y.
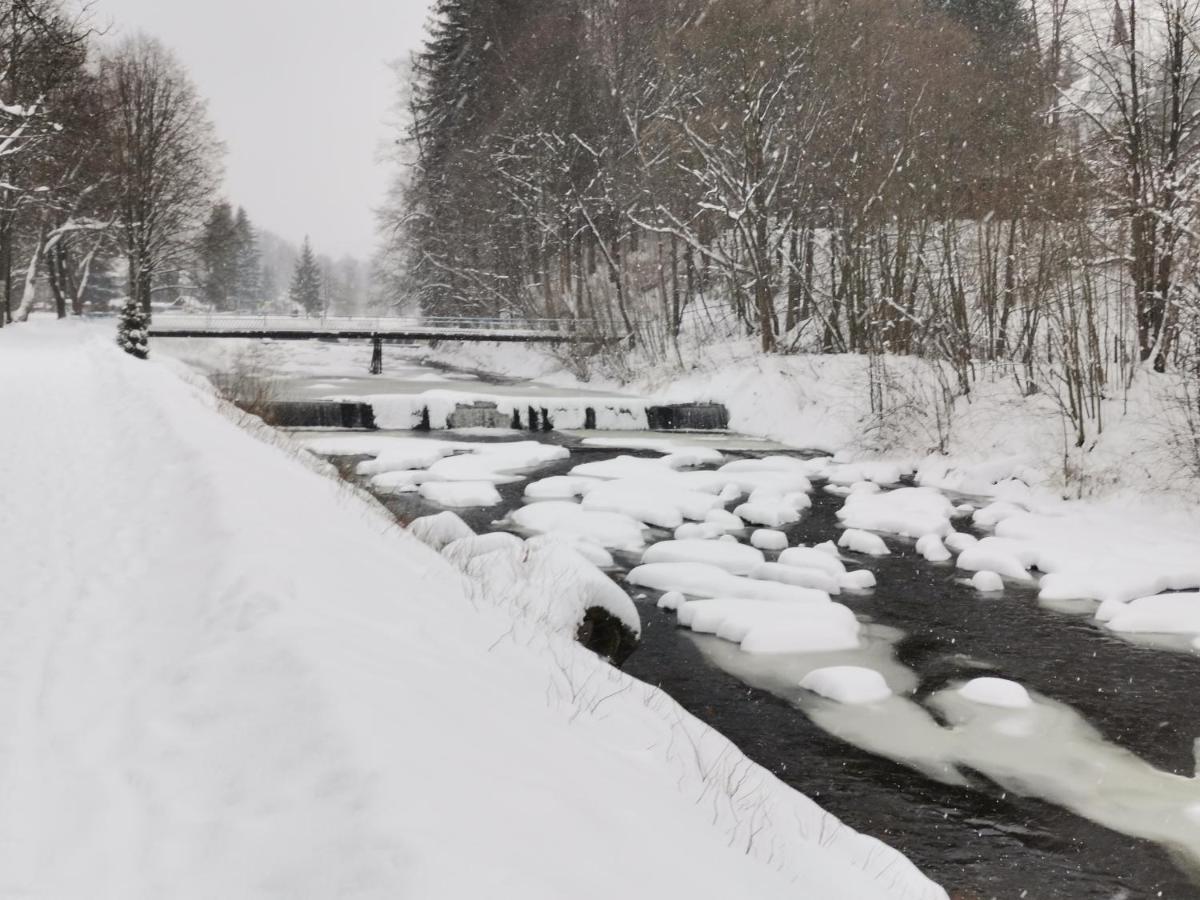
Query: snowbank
{"type": "Point", "coordinates": [250, 683]}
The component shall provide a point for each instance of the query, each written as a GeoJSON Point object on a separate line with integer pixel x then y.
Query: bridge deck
{"type": "Point", "coordinates": [388, 329]}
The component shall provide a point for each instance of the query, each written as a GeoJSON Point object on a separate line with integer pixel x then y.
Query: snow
{"type": "Point", "coordinates": [559, 487]}
{"type": "Point", "coordinates": [857, 541]}
{"type": "Point", "coordinates": [703, 580]}
{"type": "Point", "coordinates": [460, 494]}
{"type": "Point", "coordinates": [671, 600]}
{"type": "Point", "coordinates": [771, 510]}
{"type": "Point", "coordinates": [768, 539]}
{"type": "Point", "coordinates": [663, 506]}
{"type": "Point", "coordinates": [762, 626]}
{"type": "Point", "coordinates": [611, 530]}
{"type": "Point", "coordinates": [439, 530]}
{"type": "Point", "coordinates": [931, 547]}
{"type": "Point", "coordinates": [700, 531]}
{"type": "Point", "coordinates": [909, 512]}
{"type": "Point", "coordinates": [1160, 614]}
{"type": "Point", "coordinates": [862, 580]}
{"type": "Point", "coordinates": [958, 541]}
{"type": "Point", "coordinates": [724, 520]}
{"type": "Point", "coordinates": [251, 683]}
{"type": "Point", "coordinates": [847, 684]}
{"type": "Point", "coordinates": [732, 557]}
{"type": "Point", "coordinates": [801, 577]}
{"type": "Point", "coordinates": [996, 692]}
{"type": "Point", "coordinates": [437, 460]}
{"type": "Point", "coordinates": [400, 453]}
{"type": "Point", "coordinates": [1009, 558]}
{"type": "Point", "coordinates": [401, 482]}
{"type": "Point", "coordinates": [462, 551]}
{"type": "Point", "coordinates": [813, 558]}
{"type": "Point", "coordinates": [987, 582]}
{"type": "Point", "coordinates": [545, 576]}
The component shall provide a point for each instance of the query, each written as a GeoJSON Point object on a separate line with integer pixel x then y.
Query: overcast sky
{"type": "Point", "coordinates": [300, 91]}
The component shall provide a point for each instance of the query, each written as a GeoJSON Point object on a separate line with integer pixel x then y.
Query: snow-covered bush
{"type": "Point", "coordinates": [132, 330]}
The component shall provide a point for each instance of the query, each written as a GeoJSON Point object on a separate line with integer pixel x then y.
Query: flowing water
{"type": "Point", "coordinates": [993, 803]}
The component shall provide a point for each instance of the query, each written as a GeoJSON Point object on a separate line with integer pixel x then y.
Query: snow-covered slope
{"type": "Point", "coordinates": [224, 675]}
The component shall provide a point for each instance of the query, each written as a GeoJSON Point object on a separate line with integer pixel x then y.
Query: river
{"type": "Point", "coordinates": [986, 836]}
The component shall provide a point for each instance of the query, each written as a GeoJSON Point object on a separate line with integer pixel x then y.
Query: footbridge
{"type": "Point", "coordinates": [381, 330]}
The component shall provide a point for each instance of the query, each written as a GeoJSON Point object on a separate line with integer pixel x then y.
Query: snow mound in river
{"type": "Point", "coordinates": [847, 684]}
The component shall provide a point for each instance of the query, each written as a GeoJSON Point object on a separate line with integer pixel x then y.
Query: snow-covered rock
{"type": "Point", "coordinates": [560, 487]}
{"type": "Point", "coordinates": [909, 512]}
{"type": "Point", "coordinates": [768, 627]}
{"type": "Point", "coordinates": [860, 580]}
{"type": "Point", "coordinates": [847, 684]}
{"type": "Point", "coordinates": [931, 547]}
{"type": "Point", "coordinates": [818, 579]}
{"type": "Point", "coordinates": [958, 541]}
{"type": "Point", "coordinates": [671, 600]}
{"type": "Point", "coordinates": [1008, 558]}
{"type": "Point", "coordinates": [698, 531]}
{"type": "Point", "coordinates": [732, 556]}
{"type": "Point", "coordinates": [996, 692]}
{"type": "Point", "coordinates": [724, 520]}
{"type": "Point", "coordinates": [439, 530]}
{"type": "Point", "coordinates": [768, 539]}
{"type": "Point", "coordinates": [858, 541]}
{"type": "Point", "coordinates": [772, 511]}
{"type": "Point", "coordinates": [813, 558]}
{"type": "Point", "coordinates": [987, 582]}
{"type": "Point", "coordinates": [610, 530]}
{"type": "Point", "coordinates": [703, 580]}
{"type": "Point", "coordinates": [460, 493]}
{"type": "Point", "coordinates": [1159, 614]}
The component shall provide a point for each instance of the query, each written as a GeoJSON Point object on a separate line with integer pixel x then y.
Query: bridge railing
{"type": "Point", "coordinates": [216, 322]}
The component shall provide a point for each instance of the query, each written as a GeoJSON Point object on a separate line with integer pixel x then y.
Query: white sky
{"type": "Point", "coordinates": [301, 93]}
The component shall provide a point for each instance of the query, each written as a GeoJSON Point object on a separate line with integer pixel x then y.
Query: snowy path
{"type": "Point", "coordinates": [221, 675]}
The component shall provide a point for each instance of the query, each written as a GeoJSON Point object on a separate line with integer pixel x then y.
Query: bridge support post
{"type": "Point", "coordinates": [376, 355]}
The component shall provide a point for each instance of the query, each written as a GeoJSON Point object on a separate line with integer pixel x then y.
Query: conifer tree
{"type": "Point", "coordinates": [132, 336]}
{"type": "Point", "coordinates": [306, 282]}
{"type": "Point", "coordinates": [219, 257]}
{"type": "Point", "coordinates": [247, 263]}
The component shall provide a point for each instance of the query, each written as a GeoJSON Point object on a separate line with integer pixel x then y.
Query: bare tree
{"type": "Point", "coordinates": [165, 159]}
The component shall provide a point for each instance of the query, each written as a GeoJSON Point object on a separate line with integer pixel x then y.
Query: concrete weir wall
{"type": "Point", "coordinates": [437, 410]}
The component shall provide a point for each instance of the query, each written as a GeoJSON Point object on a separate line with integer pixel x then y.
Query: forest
{"type": "Point", "coordinates": [983, 184]}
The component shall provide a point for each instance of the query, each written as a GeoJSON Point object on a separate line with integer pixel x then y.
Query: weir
{"type": "Point", "coordinates": [319, 414]}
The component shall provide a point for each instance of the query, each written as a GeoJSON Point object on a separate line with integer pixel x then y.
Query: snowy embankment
{"type": "Point", "coordinates": [223, 674]}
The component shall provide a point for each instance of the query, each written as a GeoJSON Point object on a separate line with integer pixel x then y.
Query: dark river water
{"type": "Point", "coordinates": [979, 841]}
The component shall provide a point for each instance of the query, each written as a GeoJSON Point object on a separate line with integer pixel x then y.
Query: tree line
{"type": "Point", "coordinates": [1007, 181]}
{"type": "Point", "coordinates": [110, 170]}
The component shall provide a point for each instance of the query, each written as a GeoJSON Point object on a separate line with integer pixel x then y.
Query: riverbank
{"type": "Point", "coordinates": [824, 402]}
{"type": "Point", "coordinates": [226, 675]}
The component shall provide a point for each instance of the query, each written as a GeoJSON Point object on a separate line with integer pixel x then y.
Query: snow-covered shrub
{"type": "Point", "coordinates": [132, 330]}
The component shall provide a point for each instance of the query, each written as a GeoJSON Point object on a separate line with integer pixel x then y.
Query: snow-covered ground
{"type": "Point", "coordinates": [224, 674]}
